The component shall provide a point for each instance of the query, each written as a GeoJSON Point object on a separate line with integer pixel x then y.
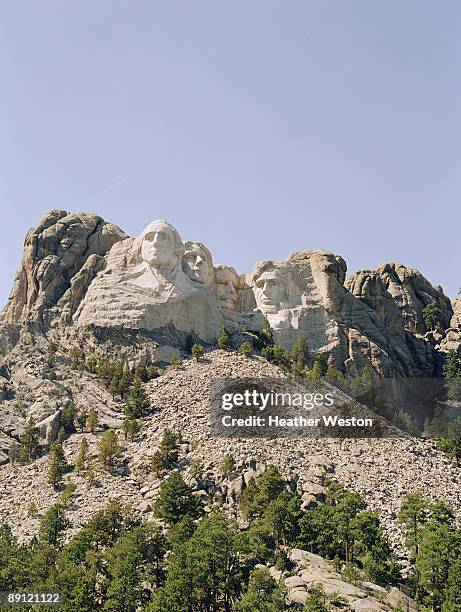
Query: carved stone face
{"type": "Point", "coordinates": [226, 286]}
{"type": "Point", "coordinates": [268, 291]}
{"type": "Point", "coordinates": [197, 262]}
{"type": "Point", "coordinates": [160, 245]}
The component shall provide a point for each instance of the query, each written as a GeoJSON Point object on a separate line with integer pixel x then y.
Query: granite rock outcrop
{"type": "Point", "coordinates": [80, 272]}
{"type": "Point", "coordinates": [54, 253]}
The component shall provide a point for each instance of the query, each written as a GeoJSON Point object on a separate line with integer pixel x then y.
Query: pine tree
{"type": "Point", "coordinates": [197, 351]}
{"type": "Point", "coordinates": [452, 447]}
{"type": "Point", "coordinates": [452, 599]}
{"type": "Point", "coordinates": [431, 316]}
{"type": "Point", "coordinates": [247, 499]}
{"type": "Point", "coordinates": [298, 370]}
{"type": "Point", "coordinates": [204, 573]}
{"type": "Point", "coordinates": [259, 493]}
{"type": "Point", "coordinates": [227, 465]}
{"type": "Point", "coordinates": [316, 600]}
{"type": "Point", "coordinates": [196, 469]}
{"type": "Point", "coordinates": [280, 356]}
{"type": "Point", "coordinates": [92, 422]}
{"type": "Point", "coordinates": [224, 339]}
{"type": "Point", "coordinates": [438, 545]}
{"type": "Point", "coordinates": [90, 475]}
{"type": "Point", "coordinates": [167, 454]}
{"type": "Point", "coordinates": [52, 525]}
{"type": "Point", "coordinates": [413, 515]}
{"type": "Point", "coordinates": [176, 500]}
{"type": "Point", "coordinates": [319, 366]}
{"type": "Point", "coordinates": [268, 352]}
{"type": "Point", "coordinates": [282, 516]}
{"type": "Point", "coordinates": [263, 594]}
{"type": "Point", "coordinates": [299, 353]}
{"type": "Point", "coordinates": [131, 428]}
{"type": "Point", "coordinates": [181, 532]}
{"type": "Point", "coordinates": [29, 442]}
{"type": "Point", "coordinates": [32, 510]}
{"type": "Point", "coordinates": [333, 374]}
{"type": "Point", "coordinates": [141, 372]}
{"type": "Point", "coordinates": [152, 372]}
{"type": "Point", "coordinates": [77, 356]}
{"type": "Point", "coordinates": [124, 382]}
{"type": "Point", "coordinates": [266, 333]}
{"type": "Point", "coordinates": [109, 449]}
{"type": "Point", "coordinates": [135, 558]}
{"type": "Point", "coordinates": [114, 386]}
{"type": "Point", "coordinates": [452, 366]}
{"type": "Point", "coordinates": [124, 590]}
{"type": "Point", "coordinates": [117, 370]}
{"type": "Point", "coordinates": [92, 365]}
{"type": "Point", "coordinates": [80, 462]}
{"type": "Point", "coordinates": [175, 362]}
{"type": "Point", "coordinates": [57, 465]}
{"type": "Point", "coordinates": [106, 526]}
{"type": "Point", "coordinates": [14, 453]}
{"type": "Point", "coordinates": [246, 349]}
{"type": "Point", "coordinates": [68, 492]}
{"type": "Point", "coordinates": [137, 402]}
{"type": "Point", "coordinates": [67, 417]}
{"type": "Point", "coordinates": [61, 435]}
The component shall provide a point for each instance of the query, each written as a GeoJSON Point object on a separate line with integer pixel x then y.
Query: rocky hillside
{"type": "Point", "coordinates": [383, 471]}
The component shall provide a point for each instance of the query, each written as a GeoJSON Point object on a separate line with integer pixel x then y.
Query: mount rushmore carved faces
{"type": "Point", "coordinates": [226, 284]}
{"type": "Point", "coordinates": [158, 251]}
{"type": "Point", "coordinates": [280, 299]}
{"type": "Point", "coordinates": [161, 246]}
{"type": "Point", "coordinates": [155, 282]}
{"type": "Point", "coordinates": [144, 286]}
{"type": "Point", "coordinates": [197, 263]}
{"type": "Point", "coordinates": [269, 291]}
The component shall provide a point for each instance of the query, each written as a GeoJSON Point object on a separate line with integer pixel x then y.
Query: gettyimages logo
{"type": "Point", "coordinates": [261, 400]}
{"type": "Point", "coordinates": [270, 407]}
{"type": "Point", "coordinates": [356, 407]}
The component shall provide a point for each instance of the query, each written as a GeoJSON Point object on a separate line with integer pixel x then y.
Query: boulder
{"type": "Point", "coordinates": [48, 428]}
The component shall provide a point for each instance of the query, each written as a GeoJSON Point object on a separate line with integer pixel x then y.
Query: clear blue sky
{"type": "Point", "coordinates": [255, 126]}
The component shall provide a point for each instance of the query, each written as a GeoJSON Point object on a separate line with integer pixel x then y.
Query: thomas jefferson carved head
{"type": "Point", "coordinates": [197, 262]}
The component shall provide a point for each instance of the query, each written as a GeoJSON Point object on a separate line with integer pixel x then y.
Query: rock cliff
{"type": "Point", "coordinates": [54, 253]}
{"type": "Point", "coordinates": [80, 272]}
